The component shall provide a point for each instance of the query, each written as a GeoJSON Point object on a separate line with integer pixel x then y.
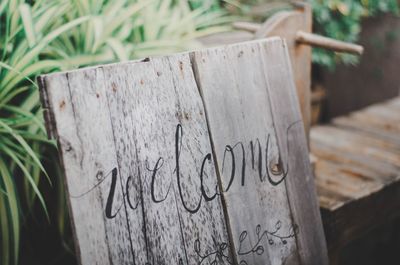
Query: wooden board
{"type": "Point", "coordinates": [294, 150]}
{"type": "Point", "coordinates": [357, 172]}
{"type": "Point", "coordinates": [143, 155]}
{"type": "Point", "coordinates": [245, 150]}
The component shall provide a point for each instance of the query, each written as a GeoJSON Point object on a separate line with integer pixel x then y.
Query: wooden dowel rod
{"type": "Point", "coordinates": [247, 26]}
{"type": "Point", "coordinates": [310, 39]}
{"type": "Point", "coordinates": [328, 43]}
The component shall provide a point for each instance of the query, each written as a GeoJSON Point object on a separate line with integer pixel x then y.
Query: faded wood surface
{"type": "Point", "coordinates": [87, 157]}
{"type": "Point", "coordinates": [143, 155]}
{"type": "Point", "coordinates": [145, 122]}
{"type": "Point", "coordinates": [358, 171]}
{"type": "Point", "coordinates": [294, 153]}
{"type": "Point", "coordinates": [246, 152]}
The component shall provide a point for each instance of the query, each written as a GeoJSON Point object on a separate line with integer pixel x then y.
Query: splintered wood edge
{"type": "Point", "coordinates": [52, 134]}
{"type": "Point", "coordinates": [46, 107]}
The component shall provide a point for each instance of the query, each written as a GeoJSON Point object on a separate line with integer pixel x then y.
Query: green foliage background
{"type": "Point", "coordinates": [341, 19]}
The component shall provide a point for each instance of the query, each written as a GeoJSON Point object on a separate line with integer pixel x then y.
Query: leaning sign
{"type": "Point", "coordinates": [193, 158]}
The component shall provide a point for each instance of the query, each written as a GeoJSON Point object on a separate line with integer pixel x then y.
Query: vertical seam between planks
{"type": "Point", "coordinates": [195, 72]}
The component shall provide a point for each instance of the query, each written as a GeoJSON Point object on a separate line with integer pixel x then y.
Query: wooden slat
{"type": "Point", "coordinates": [364, 146]}
{"type": "Point", "coordinates": [351, 183]}
{"type": "Point", "coordinates": [385, 172]}
{"type": "Point", "coordinates": [358, 142]}
{"type": "Point", "coordinates": [381, 120]}
{"type": "Point", "coordinates": [77, 101]}
{"type": "Point", "coordinates": [292, 147]}
{"type": "Point", "coordinates": [244, 140]}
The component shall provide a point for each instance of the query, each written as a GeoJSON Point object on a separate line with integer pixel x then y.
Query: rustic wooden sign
{"type": "Point", "coordinates": [194, 158]}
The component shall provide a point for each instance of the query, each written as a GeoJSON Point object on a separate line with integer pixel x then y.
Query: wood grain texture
{"type": "Point", "coordinates": [358, 172]}
{"type": "Point", "coordinates": [245, 145]}
{"type": "Point", "coordinates": [125, 119]}
{"type": "Point", "coordinates": [148, 160]}
{"type": "Point", "coordinates": [77, 113]}
{"type": "Point", "coordinates": [292, 148]}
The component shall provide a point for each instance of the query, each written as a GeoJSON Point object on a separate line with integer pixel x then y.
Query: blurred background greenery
{"type": "Point", "coordinates": [44, 36]}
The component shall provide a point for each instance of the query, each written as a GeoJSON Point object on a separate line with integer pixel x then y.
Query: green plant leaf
{"type": "Point", "coordinates": [27, 22]}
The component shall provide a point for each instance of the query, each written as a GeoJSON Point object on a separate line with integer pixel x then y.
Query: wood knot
{"type": "Point", "coordinates": [99, 175]}
{"type": "Point", "coordinates": [141, 81]}
{"type": "Point", "coordinates": [276, 169]}
{"type": "Point", "coordinates": [62, 104]}
{"type": "Point", "coordinates": [159, 73]}
{"type": "Point", "coordinates": [187, 116]}
{"type": "Point", "coordinates": [97, 95]}
{"type": "Point", "coordinates": [181, 65]}
{"type": "Point", "coordinates": [240, 54]}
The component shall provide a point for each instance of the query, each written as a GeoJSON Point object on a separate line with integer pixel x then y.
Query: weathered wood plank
{"type": "Point", "coordinates": [244, 140]}
{"type": "Point", "coordinates": [351, 184]}
{"type": "Point", "coordinates": [367, 149]}
{"type": "Point", "coordinates": [79, 108]}
{"type": "Point", "coordinates": [326, 152]}
{"type": "Point", "coordinates": [115, 127]}
{"type": "Point", "coordinates": [378, 126]}
{"type": "Point", "coordinates": [292, 147]}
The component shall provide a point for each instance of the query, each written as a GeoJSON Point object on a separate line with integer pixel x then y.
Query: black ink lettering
{"type": "Point", "coordinates": [178, 144]}
{"type": "Point", "coordinates": [203, 192]}
{"type": "Point", "coordinates": [110, 197]}
{"type": "Point", "coordinates": [128, 198]}
{"type": "Point", "coordinates": [157, 166]}
{"type": "Point", "coordinates": [229, 149]}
